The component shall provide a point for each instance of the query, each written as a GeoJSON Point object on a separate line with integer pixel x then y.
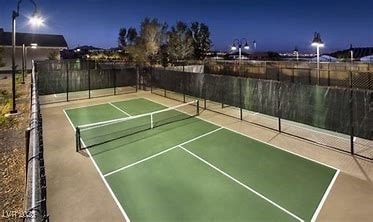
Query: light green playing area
{"type": "Point", "coordinates": [187, 169]}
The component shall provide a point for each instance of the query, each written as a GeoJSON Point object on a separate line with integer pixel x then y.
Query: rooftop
{"type": "Point", "coordinates": [43, 40]}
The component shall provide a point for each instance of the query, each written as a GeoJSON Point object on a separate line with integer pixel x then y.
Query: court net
{"type": "Point", "coordinates": [100, 133]}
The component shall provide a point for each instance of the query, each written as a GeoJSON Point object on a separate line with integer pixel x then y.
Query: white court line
{"type": "Point", "coordinates": [116, 107]}
{"type": "Point", "coordinates": [140, 161]}
{"type": "Point", "coordinates": [102, 177]}
{"type": "Point", "coordinates": [288, 151]}
{"type": "Point", "coordinates": [314, 217]}
{"type": "Point", "coordinates": [242, 184]}
{"type": "Point", "coordinates": [162, 152]}
{"type": "Point", "coordinates": [273, 145]}
{"type": "Point", "coordinates": [102, 103]}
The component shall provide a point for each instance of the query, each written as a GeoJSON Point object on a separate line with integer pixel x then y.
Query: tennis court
{"type": "Point", "coordinates": [166, 164]}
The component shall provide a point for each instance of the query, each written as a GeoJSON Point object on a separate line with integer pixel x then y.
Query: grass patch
{"type": "Point", "coordinates": [5, 106]}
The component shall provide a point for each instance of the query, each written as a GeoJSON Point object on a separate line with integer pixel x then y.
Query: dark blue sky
{"type": "Point", "coordinates": [275, 25]}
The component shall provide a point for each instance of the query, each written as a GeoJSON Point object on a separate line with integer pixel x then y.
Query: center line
{"type": "Point", "coordinates": [242, 184]}
{"type": "Point", "coordinates": [116, 107]}
{"type": "Point", "coordinates": [162, 152]}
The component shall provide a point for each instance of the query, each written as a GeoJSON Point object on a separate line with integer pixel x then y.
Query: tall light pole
{"type": "Point", "coordinates": [34, 20]}
{"type": "Point", "coordinates": [237, 44]}
{"type": "Point", "coordinates": [352, 53]}
{"type": "Point", "coordinates": [24, 58]}
{"type": "Point", "coordinates": [296, 53]}
{"type": "Point", "coordinates": [318, 43]}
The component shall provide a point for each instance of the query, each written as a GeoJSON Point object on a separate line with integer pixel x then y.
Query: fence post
{"type": "Point", "coordinates": [89, 79]}
{"type": "Point", "coordinates": [351, 116]}
{"type": "Point", "coordinates": [278, 103]}
{"type": "Point", "coordinates": [114, 79]}
{"type": "Point", "coordinates": [240, 82]}
{"type": "Point", "coordinates": [67, 81]}
{"type": "Point", "coordinates": [184, 82]}
{"type": "Point", "coordinates": [151, 78]}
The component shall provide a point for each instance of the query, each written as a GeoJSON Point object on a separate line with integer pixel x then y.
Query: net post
{"type": "Point", "coordinates": [197, 107]}
{"type": "Point", "coordinates": [77, 137]}
{"type": "Point", "coordinates": [151, 121]}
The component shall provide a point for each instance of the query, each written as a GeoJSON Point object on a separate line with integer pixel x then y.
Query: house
{"type": "Point", "coordinates": [80, 52]}
{"type": "Point", "coordinates": [325, 58]}
{"type": "Point", "coordinates": [358, 53]}
{"type": "Point", "coordinates": [368, 58]}
{"type": "Point", "coordinates": [37, 47]}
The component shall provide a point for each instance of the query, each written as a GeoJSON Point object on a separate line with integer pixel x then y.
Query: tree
{"type": "Point", "coordinates": [122, 42]}
{"type": "Point", "coordinates": [180, 42]}
{"type": "Point", "coordinates": [201, 40]}
{"type": "Point", "coordinates": [147, 45]}
{"type": "Point", "coordinates": [131, 36]}
{"type": "Point", "coordinates": [1, 57]}
{"type": "Point", "coordinates": [54, 55]}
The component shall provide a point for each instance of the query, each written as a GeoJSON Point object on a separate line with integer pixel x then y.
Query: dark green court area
{"type": "Point", "coordinates": [167, 164]}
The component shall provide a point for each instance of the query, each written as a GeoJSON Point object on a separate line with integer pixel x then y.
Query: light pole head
{"type": "Point", "coordinates": [36, 20]}
{"type": "Point", "coordinates": [317, 42]}
{"type": "Point", "coordinates": [246, 46]}
{"type": "Point", "coordinates": [234, 47]}
{"type": "Point", "coordinates": [34, 45]}
{"type": "Point", "coordinates": [296, 51]}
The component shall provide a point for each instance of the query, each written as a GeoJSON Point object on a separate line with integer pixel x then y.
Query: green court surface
{"type": "Point", "coordinates": [192, 170]}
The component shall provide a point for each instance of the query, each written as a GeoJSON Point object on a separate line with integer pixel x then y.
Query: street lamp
{"type": "Point", "coordinates": [34, 20]}
{"type": "Point", "coordinates": [318, 43]}
{"type": "Point", "coordinates": [296, 53]}
{"type": "Point", "coordinates": [238, 44]}
{"type": "Point", "coordinates": [352, 53]}
{"type": "Point", "coordinates": [24, 58]}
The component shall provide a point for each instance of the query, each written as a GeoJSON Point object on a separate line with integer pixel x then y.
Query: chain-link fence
{"type": "Point", "coordinates": [329, 74]}
{"type": "Point", "coordinates": [67, 80]}
{"type": "Point", "coordinates": [36, 186]}
{"type": "Point", "coordinates": [337, 117]}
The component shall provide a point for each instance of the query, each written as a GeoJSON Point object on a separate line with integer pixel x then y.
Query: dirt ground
{"type": "Point", "coordinates": [12, 147]}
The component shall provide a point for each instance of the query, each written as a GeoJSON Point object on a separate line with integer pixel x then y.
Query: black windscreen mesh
{"type": "Point", "coordinates": [319, 106]}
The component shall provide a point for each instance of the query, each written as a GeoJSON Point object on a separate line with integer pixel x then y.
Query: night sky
{"type": "Point", "coordinates": [275, 25]}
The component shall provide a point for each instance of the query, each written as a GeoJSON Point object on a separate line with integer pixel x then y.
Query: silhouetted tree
{"type": "Point", "coordinates": [131, 36]}
{"type": "Point", "coordinates": [122, 41]}
{"type": "Point", "coordinates": [201, 39]}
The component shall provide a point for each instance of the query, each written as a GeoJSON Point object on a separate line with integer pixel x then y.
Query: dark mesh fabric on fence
{"type": "Point", "coordinates": [68, 79]}
{"type": "Point", "coordinates": [363, 114]}
{"type": "Point", "coordinates": [52, 77]}
{"type": "Point", "coordinates": [169, 80]}
{"type": "Point", "coordinates": [323, 107]}
{"type": "Point", "coordinates": [260, 96]}
{"type": "Point", "coordinates": [222, 89]}
{"type": "Point", "coordinates": [193, 84]}
{"type": "Point", "coordinates": [77, 76]}
{"type": "Point", "coordinates": [102, 78]}
{"type": "Point", "coordinates": [125, 77]}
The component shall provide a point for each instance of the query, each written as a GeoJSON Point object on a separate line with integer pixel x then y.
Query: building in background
{"type": "Point", "coordinates": [38, 47]}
